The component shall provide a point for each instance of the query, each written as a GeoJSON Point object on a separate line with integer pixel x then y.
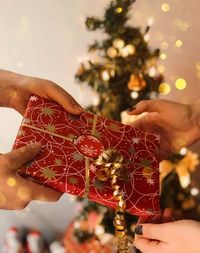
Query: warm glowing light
{"type": "Point", "coordinates": [118, 43]}
{"type": "Point", "coordinates": [112, 52]}
{"type": "Point", "coordinates": [194, 191]}
{"type": "Point", "coordinates": [164, 88]}
{"type": "Point", "coordinates": [105, 75]}
{"type": "Point", "coordinates": [134, 94]}
{"type": "Point", "coordinates": [150, 21]}
{"type": "Point", "coordinates": [127, 50]}
{"type": "Point", "coordinates": [161, 68]}
{"type": "Point", "coordinates": [163, 56]}
{"type": "Point", "coordinates": [180, 84]}
{"type": "Point", "coordinates": [152, 72]}
{"type": "Point", "coordinates": [165, 7]}
{"type": "Point", "coordinates": [11, 182]}
{"type": "Point", "coordinates": [183, 151]}
{"type": "Point", "coordinates": [119, 9]}
{"type": "Point", "coordinates": [179, 43]}
{"type": "Point", "coordinates": [185, 181]}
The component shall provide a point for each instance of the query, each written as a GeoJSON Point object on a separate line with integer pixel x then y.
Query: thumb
{"type": "Point", "coordinates": [153, 231]}
{"type": "Point", "coordinates": [17, 158]}
{"type": "Point", "coordinates": [145, 106]}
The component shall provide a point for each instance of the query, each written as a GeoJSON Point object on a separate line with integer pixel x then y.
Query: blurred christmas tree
{"type": "Point", "coordinates": [122, 70]}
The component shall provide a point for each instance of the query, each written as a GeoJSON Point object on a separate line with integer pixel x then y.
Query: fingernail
{"type": "Point", "coordinates": [138, 230]}
{"type": "Point", "coordinates": [131, 109]}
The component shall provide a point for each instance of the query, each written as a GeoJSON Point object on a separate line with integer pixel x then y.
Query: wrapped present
{"type": "Point", "coordinates": [73, 144]}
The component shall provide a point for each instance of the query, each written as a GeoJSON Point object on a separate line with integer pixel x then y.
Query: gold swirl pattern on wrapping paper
{"type": "Point", "coordinates": [111, 163]}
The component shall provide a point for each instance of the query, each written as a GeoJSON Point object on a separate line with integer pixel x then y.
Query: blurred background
{"type": "Point", "coordinates": [48, 39]}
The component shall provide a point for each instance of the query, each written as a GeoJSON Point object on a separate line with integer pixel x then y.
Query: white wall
{"type": "Point", "coordinates": [46, 37]}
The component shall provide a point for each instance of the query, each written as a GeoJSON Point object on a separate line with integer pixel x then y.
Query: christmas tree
{"type": "Point", "coordinates": [122, 70]}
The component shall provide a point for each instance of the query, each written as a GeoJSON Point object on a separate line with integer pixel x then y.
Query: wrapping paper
{"type": "Point", "coordinates": [72, 143]}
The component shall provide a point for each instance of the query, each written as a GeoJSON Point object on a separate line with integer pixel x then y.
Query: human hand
{"type": "Point", "coordinates": [16, 90]}
{"type": "Point", "coordinates": [177, 124]}
{"type": "Point", "coordinates": [171, 237]}
{"type": "Point", "coordinates": [15, 191]}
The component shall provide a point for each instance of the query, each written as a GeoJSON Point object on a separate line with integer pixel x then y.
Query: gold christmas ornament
{"type": "Point", "coordinates": [118, 43]}
{"type": "Point", "coordinates": [105, 75]}
{"type": "Point", "coordinates": [136, 83]}
{"type": "Point", "coordinates": [112, 52]}
{"type": "Point", "coordinates": [127, 50]}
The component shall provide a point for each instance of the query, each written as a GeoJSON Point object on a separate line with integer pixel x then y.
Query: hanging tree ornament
{"type": "Point", "coordinates": [127, 50]}
{"type": "Point", "coordinates": [112, 52]}
{"type": "Point", "coordinates": [118, 43]}
{"type": "Point", "coordinates": [136, 82]}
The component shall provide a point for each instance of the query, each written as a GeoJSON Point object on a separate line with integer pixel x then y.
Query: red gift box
{"type": "Point", "coordinates": [72, 143]}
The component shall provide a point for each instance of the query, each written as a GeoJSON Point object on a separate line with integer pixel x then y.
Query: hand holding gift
{"type": "Point", "coordinates": [15, 191]}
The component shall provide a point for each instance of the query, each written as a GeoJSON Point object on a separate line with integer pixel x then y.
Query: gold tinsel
{"type": "Point", "coordinates": [112, 169]}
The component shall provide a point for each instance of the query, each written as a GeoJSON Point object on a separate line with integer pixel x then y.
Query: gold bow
{"type": "Point", "coordinates": [112, 168]}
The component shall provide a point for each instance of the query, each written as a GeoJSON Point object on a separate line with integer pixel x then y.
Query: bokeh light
{"type": "Point", "coordinates": [119, 9]}
{"type": "Point", "coordinates": [165, 7]}
{"type": "Point", "coordinates": [180, 84]}
{"type": "Point", "coordinates": [11, 182]}
{"type": "Point", "coordinates": [163, 56]}
{"type": "Point", "coordinates": [164, 88]}
{"type": "Point", "coordinates": [179, 43]}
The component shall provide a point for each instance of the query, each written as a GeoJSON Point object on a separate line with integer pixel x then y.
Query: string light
{"type": "Point", "coordinates": [194, 191]}
{"type": "Point", "coordinates": [180, 84]}
{"type": "Point", "coordinates": [119, 9]}
{"type": "Point", "coordinates": [179, 43]}
{"type": "Point", "coordinates": [164, 88]}
{"type": "Point", "coordinates": [105, 75]}
{"type": "Point", "coordinates": [163, 56]}
{"type": "Point", "coordinates": [165, 7]}
{"type": "Point", "coordinates": [118, 43]}
{"type": "Point", "coordinates": [150, 21]}
{"type": "Point", "coordinates": [134, 94]}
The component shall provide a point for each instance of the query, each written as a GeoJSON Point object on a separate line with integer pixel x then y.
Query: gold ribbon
{"type": "Point", "coordinates": [111, 163]}
{"type": "Point", "coordinates": [87, 160]}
